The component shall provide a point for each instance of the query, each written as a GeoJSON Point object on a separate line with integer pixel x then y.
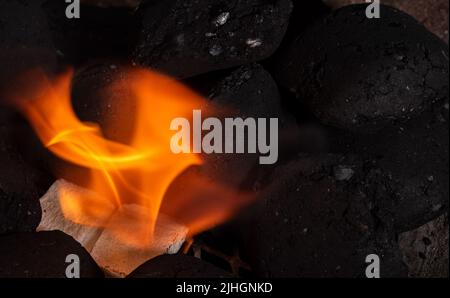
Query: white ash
{"type": "Point", "coordinates": [222, 18]}
{"type": "Point", "coordinates": [343, 173]}
{"type": "Point", "coordinates": [254, 42]}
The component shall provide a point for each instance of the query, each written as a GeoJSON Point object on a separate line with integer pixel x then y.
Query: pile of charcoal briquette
{"type": "Point", "coordinates": [363, 107]}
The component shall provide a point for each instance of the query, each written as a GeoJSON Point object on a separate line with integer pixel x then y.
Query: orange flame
{"type": "Point", "coordinates": [136, 172]}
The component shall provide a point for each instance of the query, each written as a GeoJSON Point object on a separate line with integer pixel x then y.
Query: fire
{"type": "Point", "coordinates": [137, 172]}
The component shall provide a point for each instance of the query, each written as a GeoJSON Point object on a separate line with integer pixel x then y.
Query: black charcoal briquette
{"type": "Point", "coordinates": [361, 74]}
{"type": "Point", "coordinates": [187, 38]}
{"type": "Point", "coordinates": [43, 255]}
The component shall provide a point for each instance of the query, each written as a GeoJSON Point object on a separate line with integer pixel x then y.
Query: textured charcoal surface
{"type": "Point", "coordinates": [42, 255]}
{"type": "Point", "coordinates": [187, 38]}
{"type": "Point", "coordinates": [361, 74]}
{"type": "Point", "coordinates": [25, 39]}
{"type": "Point", "coordinates": [432, 13]}
{"type": "Point", "coordinates": [178, 266]}
{"type": "Point", "coordinates": [319, 218]}
{"type": "Point", "coordinates": [415, 154]}
{"type": "Point", "coordinates": [250, 91]}
{"type": "Point", "coordinates": [425, 249]}
{"type": "Point", "coordinates": [99, 32]}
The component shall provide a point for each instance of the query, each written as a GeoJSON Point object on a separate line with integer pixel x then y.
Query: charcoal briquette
{"type": "Point", "coordinates": [188, 38]}
{"type": "Point", "coordinates": [362, 74]}
{"type": "Point", "coordinates": [43, 255]}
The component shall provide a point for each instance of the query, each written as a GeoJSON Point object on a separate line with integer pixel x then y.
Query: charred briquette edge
{"type": "Point", "coordinates": [43, 255]}
{"type": "Point", "coordinates": [185, 39]}
{"type": "Point", "coordinates": [432, 13]}
{"type": "Point", "coordinates": [178, 266]}
{"type": "Point", "coordinates": [362, 74]}
{"type": "Point", "coordinates": [319, 219]}
{"type": "Point", "coordinates": [100, 32]}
